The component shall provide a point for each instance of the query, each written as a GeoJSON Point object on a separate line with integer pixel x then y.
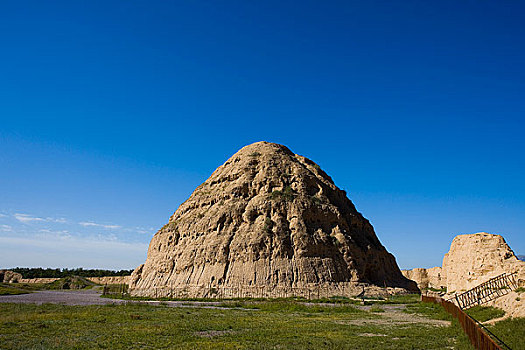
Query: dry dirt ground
{"type": "Point", "coordinates": [394, 315]}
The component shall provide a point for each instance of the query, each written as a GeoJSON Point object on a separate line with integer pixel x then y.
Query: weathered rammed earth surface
{"type": "Point", "coordinates": [426, 278]}
{"type": "Point", "coordinates": [471, 260]}
{"type": "Point", "coordinates": [270, 218]}
{"type": "Point", "coordinates": [7, 276]}
{"type": "Point", "coordinates": [110, 279]}
{"type": "Point", "coordinates": [39, 280]}
{"type": "Point", "coordinates": [476, 258]}
{"type": "Point", "coordinates": [98, 280]}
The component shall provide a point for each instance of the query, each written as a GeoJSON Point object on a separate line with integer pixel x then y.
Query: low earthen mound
{"type": "Point", "coordinates": [70, 282]}
{"type": "Point", "coordinates": [7, 276]}
{"type": "Point", "coordinates": [266, 218]}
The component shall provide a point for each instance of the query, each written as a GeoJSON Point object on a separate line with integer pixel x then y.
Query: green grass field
{"type": "Point", "coordinates": [264, 325]}
{"type": "Point", "coordinates": [400, 322]}
{"type": "Point", "coordinates": [511, 331]}
{"type": "Point", "coordinates": [484, 313]}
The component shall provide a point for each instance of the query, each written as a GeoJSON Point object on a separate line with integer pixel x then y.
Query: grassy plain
{"type": "Point", "coordinates": [243, 325]}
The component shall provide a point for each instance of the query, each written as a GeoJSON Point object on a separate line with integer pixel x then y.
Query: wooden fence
{"type": "Point", "coordinates": [115, 289]}
{"type": "Point", "coordinates": [348, 290]}
{"type": "Point", "coordinates": [473, 329]}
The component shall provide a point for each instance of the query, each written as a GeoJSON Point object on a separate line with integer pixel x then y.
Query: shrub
{"type": "Point", "coordinates": [268, 224]}
{"type": "Point", "coordinates": [316, 200]}
{"type": "Point", "coordinates": [287, 194]}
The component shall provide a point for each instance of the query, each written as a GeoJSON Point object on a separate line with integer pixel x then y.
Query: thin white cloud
{"type": "Point", "coordinates": [3, 215]}
{"type": "Point", "coordinates": [6, 228]}
{"type": "Point", "coordinates": [53, 234]}
{"type": "Point", "coordinates": [57, 220]}
{"type": "Point", "coordinates": [94, 224]}
{"type": "Point", "coordinates": [25, 218]}
{"type": "Point", "coordinates": [141, 230]}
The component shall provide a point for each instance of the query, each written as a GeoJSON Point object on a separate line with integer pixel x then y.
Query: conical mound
{"type": "Point", "coordinates": [270, 219]}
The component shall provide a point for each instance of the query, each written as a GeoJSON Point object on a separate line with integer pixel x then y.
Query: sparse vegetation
{"type": "Point", "coordinates": [70, 282]}
{"type": "Point", "coordinates": [441, 290]}
{"type": "Point", "coordinates": [290, 306]}
{"type": "Point", "coordinates": [484, 313]}
{"type": "Point", "coordinates": [376, 308]}
{"type": "Point", "coordinates": [520, 290]}
{"type": "Point", "coordinates": [316, 200]}
{"type": "Point", "coordinates": [287, 194]}
{"type": "Point", "coordinates": [435, 311]}
{"type": "Point", "coordinates": [19, 288]}
{"type": "Point", "coordinates": [9, 289]}
{"type": "Point", "coordinates": [402, 299]}
{"type": "Point", "coordinates": [255, 154]}
{"type": "Point", "coordinates": [268, 224]}
{"type": "Point", "coordinates": [511, 331]}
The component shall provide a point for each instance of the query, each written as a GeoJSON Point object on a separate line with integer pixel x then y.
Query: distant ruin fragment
{"type": "Point", "coordinates": [7, 276]}
{"type": "Point", "coordinates": [471, 260]}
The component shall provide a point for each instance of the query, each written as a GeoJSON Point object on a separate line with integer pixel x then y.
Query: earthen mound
{"type": "Point", "coordinates": [266, 218]}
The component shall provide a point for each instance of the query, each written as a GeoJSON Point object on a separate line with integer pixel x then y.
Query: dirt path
{"type": "Point", "coordinates": [394, 314]}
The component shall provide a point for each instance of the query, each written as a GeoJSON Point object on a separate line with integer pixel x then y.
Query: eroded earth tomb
{"type": "Point", "coordinates": [267, 222]}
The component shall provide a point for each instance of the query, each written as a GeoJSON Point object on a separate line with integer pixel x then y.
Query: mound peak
{"type": "Point", "coordinates": [270, 218]}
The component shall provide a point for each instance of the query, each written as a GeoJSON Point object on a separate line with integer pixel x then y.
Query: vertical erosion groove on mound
{"type": "Point", "coordinates": [266, 218]}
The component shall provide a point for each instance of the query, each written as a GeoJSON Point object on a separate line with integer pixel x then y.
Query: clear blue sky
{"type": "Point", "coordinates": [111, 113]}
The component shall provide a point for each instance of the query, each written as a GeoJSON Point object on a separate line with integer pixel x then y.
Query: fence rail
{"type": "Point", "coordinates": [487, 291]}
{"type": "Point", "coordinates": [115, 289]}
{"type": "Point", "coordinates": [472, 328]}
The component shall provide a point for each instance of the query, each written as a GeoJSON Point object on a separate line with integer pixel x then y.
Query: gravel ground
{"type": "Point", "coordinates": [91, 297]}
{"type": "Point", "coordinates": [70, 297]}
